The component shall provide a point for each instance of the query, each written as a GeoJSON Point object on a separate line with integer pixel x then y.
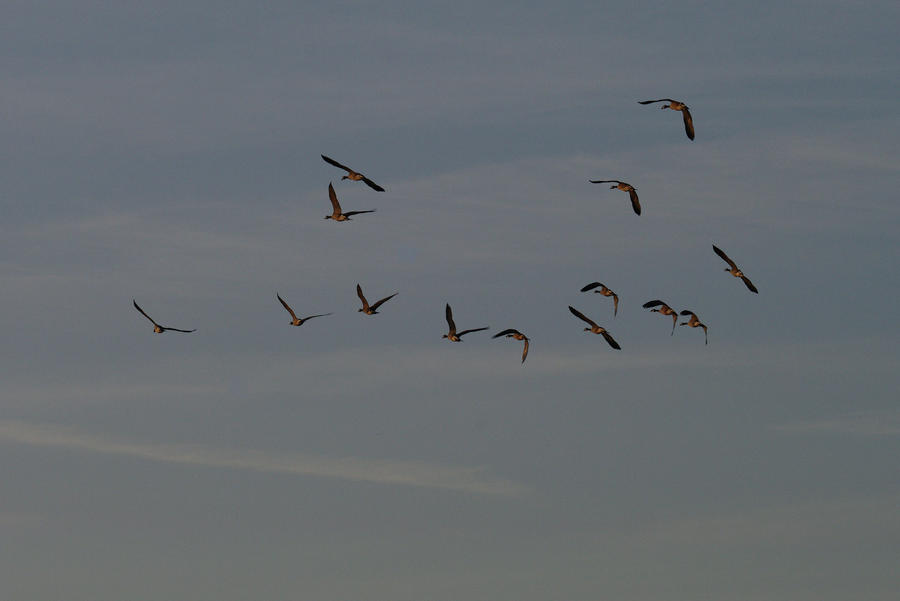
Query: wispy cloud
{"type": "Point", "coordinates": [408, 473]}
{"type": "Point", "coordinates": [789, 523]}
{"type": "Point", "coordinates": [885, 423]}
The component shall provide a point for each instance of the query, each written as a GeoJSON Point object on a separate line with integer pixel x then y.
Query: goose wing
{"type": "Point", "coordinates": [604, 181]}
{"type": "Point", "coordinates": [615, 304]}
{"type": "Point", "coordinates": [464, 332]}
{"type": "Point", "coordinates": [177, 330]}
{"type": "Point", "coordinates": [647, 102]}
{"type": "Point", "coordinates": [286, 306]}
{"type": "Point", "coordinates": [359, 293]}
{"type": "Point", "coordinates": [722, 254]}
{"type": "Point", "coordinates": [525, 351]}
{"type": "Point", "coordinates": [334, 201]}
{"type": "Point", "coordinates": [591, 286]}
{"type": "Point", "coordinates": [144, 314]}
{"type": "Point", "coordinates": [319, 315]}
{"type": "Point", "coordinates": [384, 300]}
{"type": "Point", "coordinates": [448, 313]}
{"type": "Point", "coordinates": [350, 213]}
{"type": "Point", "coordinates": [506, 332]}
{"type": "Point", "coordinates": [688, 123]}
{"type": "Point", "coordinates": [372, 184]}
{"type": "Point", "coordinates": [635, 203]}
{"type": "Point", "coordinates": [581, 316]}
{"type": "Point", "coordinates": [749, 284]}
{"type": "Point", "coordinates": [331, 161]}
{"type": "Point", "coordinates": [654, 303]}
{"type": "Point", "coordinates": [611, 340]}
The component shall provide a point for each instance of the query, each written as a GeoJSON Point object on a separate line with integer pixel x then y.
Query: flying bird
{"type": "Point", "coordinates": [675, 105]}
{"type": "Point", "coordinates": [595, 328]}
{"type": "Point", "coordinates": [353, 175]}
{"type": "Point", "coordinates": [694, 322]}
{"type": "Point", "coordinates": [605, 292]}
{"type": "Point", "coordinates": [338, 214]}
{"type": "Point", "coordinates": [663, 309]}
{"type": "Point", "coordinates": [297, 321]}
{"type": "Point", "coordinates": [371, 309]}
{"type": "Point", "coordinates": [158, 329]}
{"type": "Point", "coordinates": [453, 335]}
{"type": "Point", "coordinates": [516, 334]}
{"type": "Point", "coordinates": [734, 270]}
{"type": "Point", "coordinates": [625, 187]}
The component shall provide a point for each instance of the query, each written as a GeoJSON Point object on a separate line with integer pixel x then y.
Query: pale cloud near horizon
{"type": "Point", "coordinates": [406, 473]}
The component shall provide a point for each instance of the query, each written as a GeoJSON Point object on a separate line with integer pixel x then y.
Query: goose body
{"type": "Point", "coordinates": [676, 105]}
{"type": "Point", "coordinates": [734, 270]}
{"type": "Point", "coordinates": [158, 329]}
{"type": "Point", "coordinates": [657, 306]}
{"type": "Point", "coordinates": [453, 335]}
{"type": "Point", "coordinates": [625, 187]}
{"type": "Point", "coordinates": [373, 308]}
{"type": "Point", "coordinates": [517, 335]}
{"type": "Point", "coordinates": [352, 175]}
{"type": "Point", "coordinates": [297, 321]}
{"type": "Point", "coordinates": [337, 213]}
{"type": "Point", "coordinates": [605, 292]}
{"type": "Point", "coordinates": [594, 328]}
{"type": "Point", "coordinates": [694, 322]}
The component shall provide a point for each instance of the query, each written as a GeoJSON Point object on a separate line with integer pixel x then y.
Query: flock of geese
{"type": "Point", "coordinates": [453, 335]}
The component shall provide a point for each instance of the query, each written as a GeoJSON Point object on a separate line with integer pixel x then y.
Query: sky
{"type": "Point", "coordinates": [169, 152]}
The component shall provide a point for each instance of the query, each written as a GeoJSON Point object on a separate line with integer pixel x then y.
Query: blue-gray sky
{"type": "Point", "coordinates": [169, 152]}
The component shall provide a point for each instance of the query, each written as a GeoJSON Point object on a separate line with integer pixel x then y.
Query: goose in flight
{"type": "Point", "coordinates": [605, 292]}
{"type": "Point", "coordinates": [373, 308]}
{"type": "Point", "coordinates": [676, 105]}
{"type": "Point", "coordinates": [297, 321]}
{"type": "Point", "coordinates": [353, 175]}
{"type": "Point", "coordinates": [453, 335]}
{"type": "Point", "coordinates": [734, 270]}
{"type": "Point", "coordinates": [516, 334]}
{"type": "Point", "coordinates": [663, 309]}
{"type": "Point", "coordinates": [338, 214]}
{"type": "Point", "coordinates": [625, 187]}
{"type": "Point", "coordinates": [595, 329]}
{"type": "Point", "coordinates": [158, 329]}
{"type": "Point", "coordinates": [694, 322]}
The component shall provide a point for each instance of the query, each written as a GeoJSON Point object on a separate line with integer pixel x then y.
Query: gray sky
{"type": "Point", "coordinates": [169, 152]}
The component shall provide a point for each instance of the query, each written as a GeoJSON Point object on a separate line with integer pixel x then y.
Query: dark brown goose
{"type": "Point", "coordinates": [635, 203]}
{"type": "Point", "coordinates": [453, 335]}
{"type": "Point", "coordinates": [371, 309]}
{"type": "Point", "coordinates": [338, 214]}
{"type": "Point", "coordinates": [158, 329]}
{"type": "Point", "coordinates": [595, 329]}
{"type": "Point", "coordinates": [663, 309]}
{"type": "Point", "coordinates": [297, 321]}
{"type": "Point", "coordinates": [676, 105]}
{"type": "Point", "coordinates": [516, 334]}
{"type": "Point", "coordinates": [734, 270]}
{"type": "Point", "coordinates": [694, 322]}
{"type": "Point", "coordinates": [605, 292]}
{"type": "Point", "coordinates": [353, 175]}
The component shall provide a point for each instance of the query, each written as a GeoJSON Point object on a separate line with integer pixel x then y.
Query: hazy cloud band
{"type": "Point", "coordinates": [409, 473]}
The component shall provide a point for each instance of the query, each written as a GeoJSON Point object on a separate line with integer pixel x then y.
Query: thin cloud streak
{"type": "Point", "coordinates": [408, 473]}
{"type": "Point", "coordinates": [858, 424]}
{"type": "Point", "coordinates": [859, 518]}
